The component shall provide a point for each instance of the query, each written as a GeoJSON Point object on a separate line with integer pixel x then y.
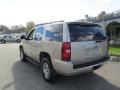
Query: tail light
{"type": "Point", "coordinates": [66, 51]}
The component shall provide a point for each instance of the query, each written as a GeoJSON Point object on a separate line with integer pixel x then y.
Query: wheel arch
{"type": "Point", "coordinates": [44, 54]}
{"type": "Point", "coordinates": [17, 39]}
{"type": "Point", "coordinates": [2, 39]}
{"type": "Point", "coordinates": [20, 47]}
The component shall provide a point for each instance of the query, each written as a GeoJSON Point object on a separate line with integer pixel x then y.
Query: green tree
{"type": "Point", "coordinates": [17, 29]}
{"type": "Point", "coordinates": [29, 26]}
{"type": "Point", "coordinates": [4, 29]}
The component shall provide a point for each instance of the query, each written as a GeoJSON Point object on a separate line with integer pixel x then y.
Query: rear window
{"type": "Point", "coordinates": [86, 32]}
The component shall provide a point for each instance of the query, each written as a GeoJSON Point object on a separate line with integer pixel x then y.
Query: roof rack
{"type": "Point", "coordinates": [49, 22]}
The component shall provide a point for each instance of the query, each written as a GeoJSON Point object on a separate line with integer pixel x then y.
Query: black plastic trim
{"type": "Point", "coordinates": [91, 63]}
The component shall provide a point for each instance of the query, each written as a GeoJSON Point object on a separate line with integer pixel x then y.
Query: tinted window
{"type": "Point", "coordinates": [54, 32]}
{"type": "Point", "coordinates": [38, 34]}
{"type": "Point", "coordinates": [6, 36]}
{"type": "Point", "coordinates": [86, 32]}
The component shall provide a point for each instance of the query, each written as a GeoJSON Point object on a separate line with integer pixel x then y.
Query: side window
{"type": "Point", "coordinates": [38, 34]}
{"type": "Point", "coordinates": [54, 32]}
{"type": "Point", "coordinates": [30, 36]}
{"type": "Point", "coordinates": [6, 36]}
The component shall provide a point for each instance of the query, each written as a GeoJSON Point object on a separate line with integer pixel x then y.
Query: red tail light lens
{"type": "Point", "coordinates": [66, 51]}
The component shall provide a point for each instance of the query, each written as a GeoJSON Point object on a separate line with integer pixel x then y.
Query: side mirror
{"type": "Point", "coordinates": [23, 37]}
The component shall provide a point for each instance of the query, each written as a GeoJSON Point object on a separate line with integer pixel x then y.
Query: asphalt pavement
{"type": "Point", "coordinates": [16, 75]}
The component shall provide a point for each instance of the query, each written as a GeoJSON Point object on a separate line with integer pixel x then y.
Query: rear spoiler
{"type": "Point", "coordinates": [85, 24]}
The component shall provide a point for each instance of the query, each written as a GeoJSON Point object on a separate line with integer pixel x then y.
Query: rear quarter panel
{"type": "Point", "coordinates": [52, 48]}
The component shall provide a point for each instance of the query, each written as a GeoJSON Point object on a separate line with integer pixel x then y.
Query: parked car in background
{"type": "Point", "coordinates": [9, 38]}
{"type": "Point", "coordinates": [66, 48]}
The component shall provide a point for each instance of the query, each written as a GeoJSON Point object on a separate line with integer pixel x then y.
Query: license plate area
{"type": "Point", "coordinates": [92, 52]}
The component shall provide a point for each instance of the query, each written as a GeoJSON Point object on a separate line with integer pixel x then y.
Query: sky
{"type": "Point", "coordinates": [16, 12]}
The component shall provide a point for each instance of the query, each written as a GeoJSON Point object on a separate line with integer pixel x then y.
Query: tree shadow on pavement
{"type": "Point", "coordinates": [28, 77]}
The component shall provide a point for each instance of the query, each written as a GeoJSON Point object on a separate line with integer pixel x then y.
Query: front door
{"type": "Point", "coordinates": [28, 44]}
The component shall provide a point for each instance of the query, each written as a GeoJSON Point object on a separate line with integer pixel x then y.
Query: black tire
{"type": "Point", "coordinates": [52, 75]}
{"type": "Point", "coordinates": [3, 41]}
{"type": "Point", "coordinates": [22, 55]}
{"type": "Point", "coordinates": [18, 41]}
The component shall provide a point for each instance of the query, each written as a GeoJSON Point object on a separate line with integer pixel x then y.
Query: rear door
{"type": "Point", "coordinates": [12, 39]}
{"type": "Point", "coordinates": [88, 43]}
{"type": "Point", "coordinates": [7, 38]}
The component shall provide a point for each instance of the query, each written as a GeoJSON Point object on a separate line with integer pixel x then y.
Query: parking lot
{"type": "Point", "coordinates": [16, 75]}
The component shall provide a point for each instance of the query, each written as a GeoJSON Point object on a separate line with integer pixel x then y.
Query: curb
{"type": "Point", "coordinates": [115, 58]}
{"type": "Point", "coordinates": [114, 55]}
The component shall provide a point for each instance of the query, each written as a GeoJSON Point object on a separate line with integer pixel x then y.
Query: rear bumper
{"type": "Point", "coordinates": [67, 68]}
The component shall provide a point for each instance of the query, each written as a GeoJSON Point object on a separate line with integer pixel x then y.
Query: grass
{"type": "Point", "coordinates": [114, 50]}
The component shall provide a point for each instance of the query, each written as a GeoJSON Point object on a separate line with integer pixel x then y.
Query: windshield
{"type": "Point", "coordinates": [86, 32]}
